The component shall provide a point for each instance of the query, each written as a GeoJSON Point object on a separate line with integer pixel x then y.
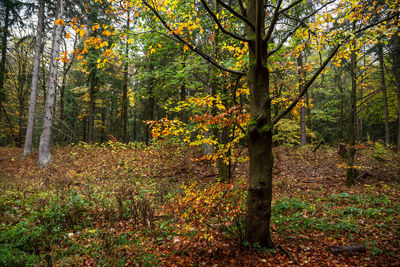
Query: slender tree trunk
{"type": "Point", "coordinates": [150, 113]}
{"type": "Point", "coordinates": [183, 95]}
{"type": "Point", "coordinates": [125, 89]}
{"type": "Point", "coordinates": [134, 126]}
{"type": "Point", "coordinates": [45, 138]}
{"type": "Point", "coordinates": [62, 99]}
{"type": "Point", "coordinates": [220, 135]}
{"type": "Point", "coordinates": [351, 172]}
{"type": "Point", "coordinates": [341, 119]}
{"type": "Point", "coordinates": [103, 128]}
{"type": "Point", "coordinates": [258, 214]}
{"type": "Point", "coordinates": [308, 108]}
{"type": "Point", "coordinates": [395, 42]}
{"type": "Point", "coordinates": [35, 77]}
{"type": "Point", "coordinates": [383, 88]}
{"type": "Point", "coordinates": [303, 135]}
{"type": "Point", "coordinates": [4, 54]}
{"type": "Point", "coordinates": [92, 104]}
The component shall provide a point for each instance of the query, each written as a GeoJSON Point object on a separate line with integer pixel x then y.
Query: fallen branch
{"type": "Point", "coordinates": [349, 249]}
{"type": "Point", "coordinates": [288, 253]}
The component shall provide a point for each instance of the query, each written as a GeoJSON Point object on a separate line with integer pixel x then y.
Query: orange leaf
{"type": "Point", "coordinates": [59, 22]}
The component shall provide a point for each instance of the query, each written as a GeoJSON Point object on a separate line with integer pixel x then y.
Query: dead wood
{"type": "Point", "coordinates": [349, 249]}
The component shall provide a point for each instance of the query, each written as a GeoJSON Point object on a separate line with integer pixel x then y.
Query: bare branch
{"type": "Point", "coordinates": [214, 17]}
{"type": "Point", "coordinates": [273, 22]}
{"type": "Point", "coordinates": [242, 9]}
{"type": "Point", "coordinates": [327, 60]}
{"type": "Point", "coordinates": [290, 6]}
{"type": "Point", "coordinates": [290, 33]}
{"type": "Point", "coordinates": [307, 85]}
{"type": "Point", "coordinates": [230, 9]}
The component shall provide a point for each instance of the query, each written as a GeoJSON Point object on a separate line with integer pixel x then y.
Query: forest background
{"type": "Point", "coordinates": [200, 81]}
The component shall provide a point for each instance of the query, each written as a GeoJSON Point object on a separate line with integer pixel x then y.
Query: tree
{"type": "Point", "coordinates": [46, 136]}
{"type": "Point", "coordinates": [384, 95]}
{"type": "Point", "coordinates": [35, 78]}
{"type": "Point", "coordinates": [260, 127]}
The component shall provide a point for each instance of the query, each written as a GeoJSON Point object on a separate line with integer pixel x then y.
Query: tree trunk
{"type": "Point", "coordinates": [150, 113]}
{"type": "Point", "coordinates": [383, 88]}
{"type": "Point", "coordinates": [341, 119]}
{"type": "Point", "coordinates": [258, 214]}
{"type": "Point", "coordinates": [4, 54]}
{"type": "Point", "coordinates": [35, 77]}
{"type": "Point", "coordinates": [92, 104]}
{"type": "Point", "coordinates": [45, 138]}
{"type": "Point", "coordinates": [351, 172]}
{"type": "Point", "coordinates": [62, 99]}
{"type": "Point", "coordinates": [221, 136]}
{"type": "Point", "coordinates": [125, 89]}
{"type": "Point", "coordinates": [103, 128]}
{"type": "Point", "coordinates": [395, 54]}
{"type": "Point", "coordinates": [303, 136]}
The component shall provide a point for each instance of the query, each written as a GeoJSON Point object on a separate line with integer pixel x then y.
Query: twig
{"type": "Point", "coordinates": [288, 253]}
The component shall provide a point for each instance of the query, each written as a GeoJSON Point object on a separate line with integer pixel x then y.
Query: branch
{"type": "Point", "coordinates": [331, 55]}
{"type": "Point", "coordinates": [290, 33]}
{"type": "Point", "coordinates": [290, 6]}
{"type": "Point", "coordinates": [214, 17]}
{"type": "Point", "coordinates": [273, 22]}
{"type": "Point", "coordinates": [243, 18]}
{"type": "Point", "coordinates": [193, 48]}
{"type": "Point", "coordinates": [242, 9]}
{"type": "Point", "coordinates": [308, 84]}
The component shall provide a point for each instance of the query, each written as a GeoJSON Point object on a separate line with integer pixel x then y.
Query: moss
{"type": "Point", "coordinates": [266, 128]}
{"type": "Point", "coordinates": [252, 122]}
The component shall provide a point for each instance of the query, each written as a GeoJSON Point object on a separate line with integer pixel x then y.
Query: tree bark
{"type": "Point", "coordinates": [303, 135]}
{"type": "Point", "coordinates": [351, 172]}
{"type": "Point", "coordinates": [221, 135]}
{"type": "Point", "coordinates": [395, 54]}
{"type": "Point", "coordinates": [45, 137]}
{"type": "Point", "coordinates": [258, 214]}
{"type": "Point", "coordinates": [92, 104]}
{"type": "Point", "coordinates": [383, 89]}
{"type": "Point", "coordinates": [35, 77]}
{"type": "Point", "coordinates": [4, 53]}
{"type": "Point", "coordinates": [125, 89]}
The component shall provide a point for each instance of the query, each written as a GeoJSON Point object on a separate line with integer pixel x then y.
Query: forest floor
{"type": "Point", "coordinates": [115, 205]}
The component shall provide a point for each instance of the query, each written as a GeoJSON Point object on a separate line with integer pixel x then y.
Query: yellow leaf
{"type": "Point", "coordinates": [68, 35]}
{"type": "Point", "coordinates": [82, 33]}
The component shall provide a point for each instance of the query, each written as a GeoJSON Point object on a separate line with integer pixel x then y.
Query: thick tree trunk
{"type": "Point", "coordinates": [351, 172]}
{"type": "Point", "coordinates": [303, 135]}
{"type": "Point", "coordinates": [45, 138]}
{"type": "Point", "coordinates": [35, 77]}
{"type": "Point", "coordinates": [383, 88]}
{"type": "Point", "coordinates": [258, 214]}
{"type": "Point", "coordinates": [4, 54]}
